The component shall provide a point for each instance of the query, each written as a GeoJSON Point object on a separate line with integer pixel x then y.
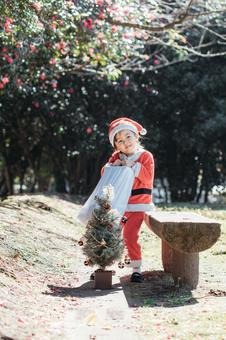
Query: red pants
{"type": "Point", "coordinates": [131, 231]}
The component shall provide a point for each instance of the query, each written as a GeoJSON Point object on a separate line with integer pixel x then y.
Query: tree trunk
{"type": "Point", "coordinates": [8, 179]}
{"type": "Point", "coordinates": [165, 190]}
{"type": "Point", "coordinates": [60, 182]}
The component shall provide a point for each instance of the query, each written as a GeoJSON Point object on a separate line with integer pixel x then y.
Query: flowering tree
{"type": "Point", "coordinates": [40, 41]}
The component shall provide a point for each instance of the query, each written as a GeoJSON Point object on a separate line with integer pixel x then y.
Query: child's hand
{"type": "Point", "coordinates": [128, 163]}
{"type": "Point", "coordinates": [118, 162]}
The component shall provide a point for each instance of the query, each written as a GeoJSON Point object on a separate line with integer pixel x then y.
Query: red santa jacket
{"type": "Point", "coordinates": [141, 195]}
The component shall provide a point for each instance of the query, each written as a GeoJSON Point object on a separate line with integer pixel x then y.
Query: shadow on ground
{"type": "Point", "coordinates": [84, 291]}
{"type": "Point", "coordinates": [157, 289]}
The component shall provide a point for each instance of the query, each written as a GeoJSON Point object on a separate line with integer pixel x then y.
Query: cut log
{"type": "Point", "coordinates": [183, 236]}
{"type": "Point", "coordinates": [184, 231]}
{"type": "Point", "coordinates": [185, 269]}
{"type": "Point", "coordinates": [167, 253]}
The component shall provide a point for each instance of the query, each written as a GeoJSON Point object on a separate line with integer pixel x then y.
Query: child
{"type": "Point", "coordinates": [124, 137]}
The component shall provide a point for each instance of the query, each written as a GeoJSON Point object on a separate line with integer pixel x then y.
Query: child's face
{"type": "Point", "coordinates": [126, 142]}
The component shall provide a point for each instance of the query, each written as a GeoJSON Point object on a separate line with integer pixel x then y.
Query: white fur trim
{"type": "Point", "coordinates": [140, 207]}
{"type": "Point", "coordinates": [119, 128]}
{"type": "Point", "coordinates": [133, 157]}
{"type": "Point", "coordinates": [143, 132]}
{"type": "Point", "coordinates": [134, 263]}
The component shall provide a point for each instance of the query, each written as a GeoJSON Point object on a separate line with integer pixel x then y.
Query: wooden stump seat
{"type": "Point", "coordinates": [183, 236]}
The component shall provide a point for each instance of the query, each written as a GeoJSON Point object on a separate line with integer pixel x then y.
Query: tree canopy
{"type": "Point", "coordinates": [42, 40]}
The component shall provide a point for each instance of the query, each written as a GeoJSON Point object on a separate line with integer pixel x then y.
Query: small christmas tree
{"type": "Point", "coordinates": [103, 243]}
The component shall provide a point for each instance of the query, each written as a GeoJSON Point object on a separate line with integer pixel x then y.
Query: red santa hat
{"type": "Point", "coordinates": [124, 124]}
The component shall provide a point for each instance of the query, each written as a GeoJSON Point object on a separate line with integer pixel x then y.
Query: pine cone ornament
{"type": "Point", "coordinates": [121, 265]}
{"type": "Point", "coordinates": [127, 260]}
{"type": "Point", "coordinates": [87, 263]}
{"type": "Point", "coordinates": [106, 206]}
{"type": "Point", "coordinates": [124, 220]}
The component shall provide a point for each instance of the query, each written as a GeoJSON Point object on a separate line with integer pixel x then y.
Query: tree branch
{"type": "Point", "coordinates": [184, 17]}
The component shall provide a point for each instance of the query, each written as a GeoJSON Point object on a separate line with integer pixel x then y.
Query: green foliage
{"type": "Point", "coordinates": [42, 40]}
{"type": "Point", "coordinates": [103, 238]}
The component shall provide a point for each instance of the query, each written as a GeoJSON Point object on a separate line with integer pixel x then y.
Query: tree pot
{"type": "Point", "coordinates": [103, 279]}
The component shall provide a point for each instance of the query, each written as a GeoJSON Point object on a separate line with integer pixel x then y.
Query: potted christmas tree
{"type": "Point", "coordinates": [102, 242]}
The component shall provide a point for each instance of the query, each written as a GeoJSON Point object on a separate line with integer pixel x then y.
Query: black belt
{"type": "Point", "coordinates": [141, 191]}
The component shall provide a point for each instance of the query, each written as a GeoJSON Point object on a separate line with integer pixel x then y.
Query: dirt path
{"type": "Point", "coordinates": [45, 292]}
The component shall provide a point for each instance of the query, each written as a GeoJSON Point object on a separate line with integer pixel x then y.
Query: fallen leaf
{"type": "Point", "coordinates": [107, 327]}
{"type": "Point", "coordinates": [217, 292]}
{"type": "Point", "coordinates": [91, 319]}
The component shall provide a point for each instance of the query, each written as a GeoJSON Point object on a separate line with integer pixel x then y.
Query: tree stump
{"type": "Point", "coordinates": [183, 236]}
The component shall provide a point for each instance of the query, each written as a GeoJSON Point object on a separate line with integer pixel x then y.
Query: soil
{"type": "Point", "coordinates": [46, 293]}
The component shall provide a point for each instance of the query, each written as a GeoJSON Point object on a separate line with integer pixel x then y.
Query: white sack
{"type": "Point", "coordinates": [121, 179]}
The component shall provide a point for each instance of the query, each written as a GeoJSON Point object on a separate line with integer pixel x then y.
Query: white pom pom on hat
{"type": "Point", "coordinates": [124, 123]}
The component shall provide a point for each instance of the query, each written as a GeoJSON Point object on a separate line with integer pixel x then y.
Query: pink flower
{"type": "Point", "coordinates": [53, 26]}
{"type": "Point", "coordinates": [61, 45]}
{"type": "Point", "coordinates": [37, 6]}
{"type": "Point", "coordinates": [9, 60]}
{"type": "Point", "coordinates": [91, 51]}
{"type": "Point", "coordinates": [88, 23]}
{"type": "Point", "coordinates": [101, 15]}
{"type": "Point", "coordinates": [1, 86]}
{"type": "Point", "coordinates": [18, 82]}
{"type": "Point", "coordinates": [126, 83]}
{"type": "Point", "coordinates": [70, 90]}
{"type": "Point", "coordinates": [152, 17]}
{"type": "Point", "coordinates": [114, 28]}
{"type": "Point", "coordinates": [155, 62]}
{"type": "Point", "coordinates": [126, 35]}
{"type": "Point", "coordinates": [54, 84]}
{"type": "Point", "coordinates": [126, 10]}
{"type": "Point", "coordinates": [7, 29]}
{"type": "Point", "coordinates": [33, 48]}
{"type": "Point", "coordinates": [52, 61]}
{"type": "Point", "coordinates": [42, 76]}
{"type": "Point", "coordinates": [40, 24]}
{"type": "Point", "coordinates": [36, 105]}
{"type": "Point", "coordinates": [8, 21]}
{"type": "Point", "coordinates": [4, 49]}
{"type": "Point", "coordinates": [99, 2]}
{"type": "Point", "coordinates": [89, 130]}
{"type": "Point", "coordinates": [5, 80]}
